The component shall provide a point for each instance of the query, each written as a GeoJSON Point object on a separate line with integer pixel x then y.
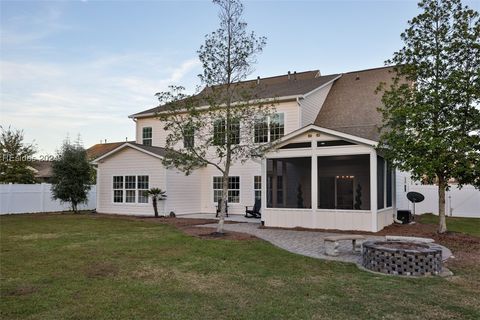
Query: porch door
{"type": "Point", "coordinates": [344, 192]}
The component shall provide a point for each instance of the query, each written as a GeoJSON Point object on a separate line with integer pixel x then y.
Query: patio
{"type": "Point", "coordinates": [307, 243]}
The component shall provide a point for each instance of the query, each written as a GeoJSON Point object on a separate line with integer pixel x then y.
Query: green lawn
{"type": "Point", "coordinates": [469, 226]}
{"type": "Point", "coordinates": [86, 267]}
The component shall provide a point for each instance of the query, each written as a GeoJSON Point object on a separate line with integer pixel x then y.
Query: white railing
{"type": "Point", "coordinates": [29, 198]}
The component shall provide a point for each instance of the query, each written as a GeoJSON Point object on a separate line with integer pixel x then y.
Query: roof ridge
{"type": "Point", "coordinates": [369, 69]}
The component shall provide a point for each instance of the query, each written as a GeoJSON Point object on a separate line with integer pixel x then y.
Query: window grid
{"type": "Point", "coordinates": [118, 189]}
{"type": "Point", "coordinates": [130, 192]}
{"type": "Point", "coordinates": [128, 186]}
{"type": "Point", "coordinates": [277, 126]}
{"type": "Point", "coordinates": [219, 132]}
{"type": "Point", "coordinates": [189, 138]}
{"type": "Point", "coordinates": [233, 189]}
{"type": "Point", "coordinates": [257, 187]}
{"type": "Point", "coordinates": [261, 130]}
{"type": "Point", "coordinates": [147, 136]}
{"type": "Point", "coordinates": [142, 186]}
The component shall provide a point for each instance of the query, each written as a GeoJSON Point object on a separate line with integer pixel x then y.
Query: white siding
{"type": "Point", "coordinates": [311, 105]}
{"type": "Point", "coordinates": [184, 193]}
{"type": "Point", "coordinates": [158, 134]}
{"type": "Point", "coordinates": [245, 171]}
{"type": "Point", "coordinates": [290, 110]}
{"type": "Point", "coordinates": [128, 162]}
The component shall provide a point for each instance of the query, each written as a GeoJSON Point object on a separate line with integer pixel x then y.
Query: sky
{"type": "Point", "coordinates": [82, 67]}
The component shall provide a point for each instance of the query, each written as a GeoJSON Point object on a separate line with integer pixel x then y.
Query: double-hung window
{"type": "Point", "coordinates": [257, 187]}
{"type": "Point", "coordinates": [269, 129]}
{"type": "Point", "coordinates": [277, 126]}
{"type": "Point", "coordinates": [220, 132]}
{"type": "Point", "coordinates": [142, 186]}
{"type": "Point", "coordinates": [189, 137]}
{"type": "Point", "coordinates": [147, 136]}
{"type": "Point", "coordinates": [118, 189]}
{"type": "Point", "coordinates": [130, 190]}
{"type": "Point", "coordinates": [260, 133]}
{"type": "Point", "coordinates": [233, 189]}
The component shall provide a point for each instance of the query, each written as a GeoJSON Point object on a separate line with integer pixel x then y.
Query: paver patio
{"type": "Point", "coordinates": [307, 243]}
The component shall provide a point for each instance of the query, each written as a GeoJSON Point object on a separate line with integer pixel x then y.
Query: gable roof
{"type": "Point", "coordinates": [295, 84]}
{"type": "Point", "coordinates": [351, 105]}
{"type": "Point", "coordinates": [157, 152]}
{"type": "Point", "coordinates": [312, 127]}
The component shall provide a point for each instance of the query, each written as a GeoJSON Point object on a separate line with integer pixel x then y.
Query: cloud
{"type": "Point", "coordinates": [93, 98]}
{"type": "Point", "coordinates": [27, 29]}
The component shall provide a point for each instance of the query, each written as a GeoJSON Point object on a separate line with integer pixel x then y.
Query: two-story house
{"type": "Point", "coordinates": [324, 172]}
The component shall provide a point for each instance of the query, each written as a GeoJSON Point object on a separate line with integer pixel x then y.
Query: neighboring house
{"type": "Point", "coordinates": [42, 170]}
{"type": "Point", "coordinates": [323, 173]}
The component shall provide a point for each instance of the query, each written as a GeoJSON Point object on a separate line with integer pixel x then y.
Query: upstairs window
{"type": "Point", "coordinates": [269, 129]}
{"type": "Point", "coordinates": [189, 138]}
{"type": "Point", "coordinates": [260, 134]}
{"type": "Point", "coordinates": [147, 136]}
{"type": "Point", "coordinates": [277, 126]}
{"type": "Point", "coordinates": [220, 132]}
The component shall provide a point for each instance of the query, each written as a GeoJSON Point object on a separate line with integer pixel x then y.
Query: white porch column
{"type": "Point", "coordinates": [373, 189]}
{"type": "Point", "coordinates": [264, 188]}
{"type": "Point", "coordinates": [314, 183]}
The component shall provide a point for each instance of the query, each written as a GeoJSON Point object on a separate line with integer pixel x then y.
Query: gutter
{"type": "Point", "coordinates": [283, 99]}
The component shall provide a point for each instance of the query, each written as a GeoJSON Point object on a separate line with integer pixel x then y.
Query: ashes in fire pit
{"type": "Point", "coordinates": [402, 258]}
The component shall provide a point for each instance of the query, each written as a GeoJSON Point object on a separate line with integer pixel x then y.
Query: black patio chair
{"type": "Point", "coordinates": [218, 208]}
{"type": "Point", "coordinates": [255, 211]}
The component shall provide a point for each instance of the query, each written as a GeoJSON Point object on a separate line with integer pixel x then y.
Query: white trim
{"type": "Point", "coordinates": [373, 190]}
{"type": "Point", "coordinates": [321, 87]}
{"type": "Point", "coordinates": [257, 101]}
{"type": "Point", "coordinates": [239, 190]}
{"type": "Point", "coordinates": [338, 134]}
{"type": "Point", "coordinates": [343, 210]}
{"type": "Point", "coordinates": [126, 144]}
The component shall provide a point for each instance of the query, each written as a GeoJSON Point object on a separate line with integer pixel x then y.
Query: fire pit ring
{"type": "Point", "coordinates": [402, 258]}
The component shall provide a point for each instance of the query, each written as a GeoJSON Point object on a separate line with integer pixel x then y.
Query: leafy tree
{"type": "Point", "coordinates": [157, 195]}
{"type": "Point", "coordinates": [71, 174]}
{"type": "Point", "coordinates": [431, 115]}
{"type": "Point", "coordinates": [215, 127]}
{"type": "Point", "coordinates": [17, 157]}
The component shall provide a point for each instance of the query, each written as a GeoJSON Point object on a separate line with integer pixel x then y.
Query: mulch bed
{"type": "Point", "coordinates": [189, 226]}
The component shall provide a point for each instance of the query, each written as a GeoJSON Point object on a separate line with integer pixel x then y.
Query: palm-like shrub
{"type": "Point", "coordinates": [156, 194]}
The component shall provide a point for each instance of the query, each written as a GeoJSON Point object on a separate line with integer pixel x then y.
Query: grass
{"type": "Point", "coordinates": [87, 267]}
{"type": "Point", "coordinates": [469, 226]}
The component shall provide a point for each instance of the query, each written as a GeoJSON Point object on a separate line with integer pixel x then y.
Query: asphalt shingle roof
{"type": "Point", "coordinates": [272, 87]}
{"type": "Point", "coordinates": [351, 105]}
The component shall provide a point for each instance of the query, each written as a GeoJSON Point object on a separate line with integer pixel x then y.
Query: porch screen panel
{"type": "Point", "coordinates": [344, 182]}
{"type": "Point", "coordinates": [389, 188]}
{"type": "Point", "coordinates": [380, 182]}
{"type": "Point", "coordinates": [289, 183]}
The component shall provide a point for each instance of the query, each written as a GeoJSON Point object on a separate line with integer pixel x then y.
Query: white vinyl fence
{"type": "Point", "coordinates": [463, 202]}
{"type": "Point", "coordinates": [29, 198]}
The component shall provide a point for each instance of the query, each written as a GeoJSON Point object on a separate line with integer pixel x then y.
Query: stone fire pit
{"type": "Point", "coordinates": [402, 258]}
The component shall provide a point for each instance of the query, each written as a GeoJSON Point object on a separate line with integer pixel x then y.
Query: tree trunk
{"type": "Point", "coordinates": [223, 207]}
{"type": "Point", "coordinates": [442, 223]}
{"type": "Point", "coordinates": [155, 209]}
